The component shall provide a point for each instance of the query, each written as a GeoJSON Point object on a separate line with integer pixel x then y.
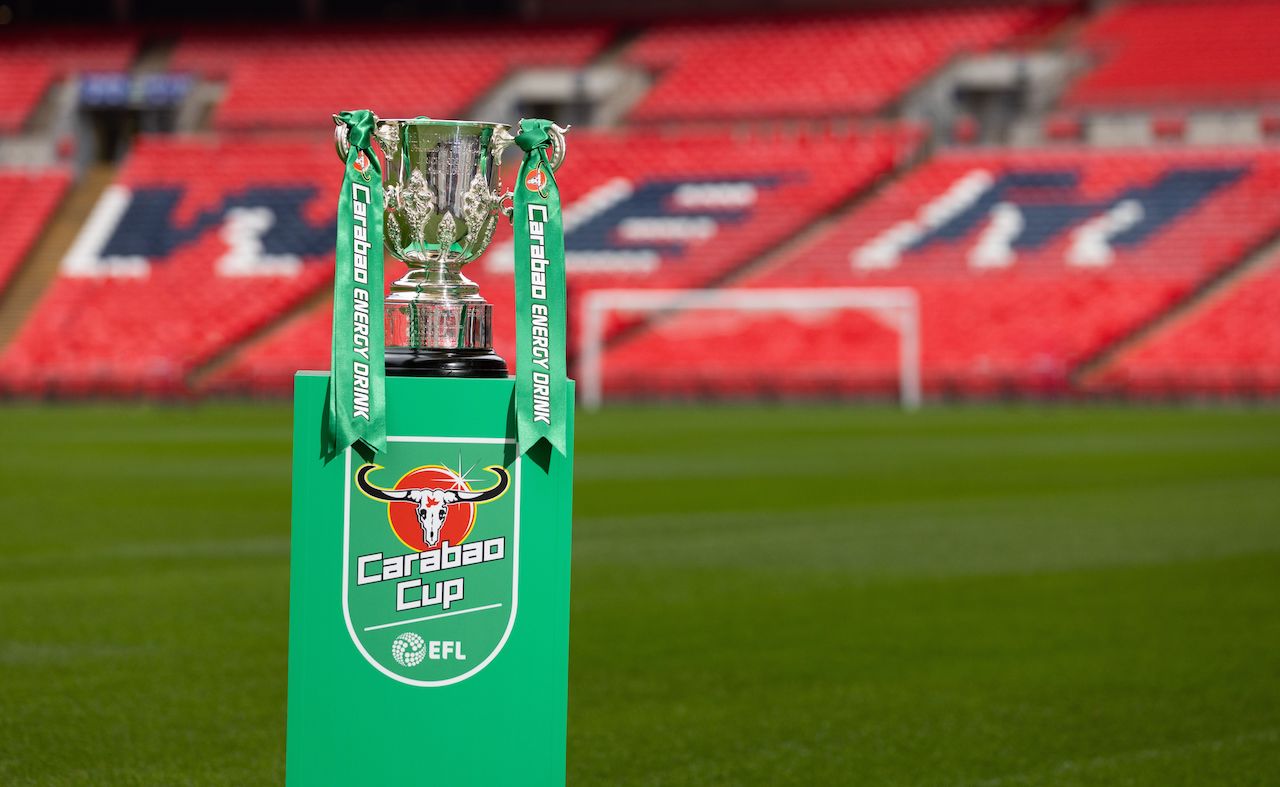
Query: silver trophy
{"type": "Point", "coordinates": [443, 198]}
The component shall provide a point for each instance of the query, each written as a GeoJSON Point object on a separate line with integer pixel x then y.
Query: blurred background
{"type": "Point", "coordinates": [1055, 225]}
{"type": "Point", "coordinates": [1080, 196]}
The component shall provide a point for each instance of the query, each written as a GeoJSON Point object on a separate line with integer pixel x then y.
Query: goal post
{"type": "Point", "coordinates": [897, 307]}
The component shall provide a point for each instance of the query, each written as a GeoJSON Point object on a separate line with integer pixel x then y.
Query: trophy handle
{"type": "Point", "coordinates": [555, 157]}
{"type": "Point", "coordinates": [383, 134]}
{"type": "Point", "coordinates": [503, 139]}
{"type": "Point", "coordinates": [340, 142]}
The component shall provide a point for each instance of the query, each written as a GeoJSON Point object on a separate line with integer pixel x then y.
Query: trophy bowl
{"type": "Point", "coordinates": [443, 198]}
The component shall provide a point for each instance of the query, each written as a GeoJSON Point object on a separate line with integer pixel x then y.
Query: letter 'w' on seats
{"type": "Point", "coordinates": [885, 250]}
{"type": "Point", "coordinates": [994, 248]}
{"type": "Point", "coordinates": [84, 258]}
{"type": "Point", "coordinates": [1091, 243]}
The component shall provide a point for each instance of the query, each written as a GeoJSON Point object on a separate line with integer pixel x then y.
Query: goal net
{"type": "Point", "coordinates": [897, 308]}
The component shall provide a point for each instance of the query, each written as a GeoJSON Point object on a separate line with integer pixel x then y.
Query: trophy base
{"type": "Point", "coordinates": [428, 362]}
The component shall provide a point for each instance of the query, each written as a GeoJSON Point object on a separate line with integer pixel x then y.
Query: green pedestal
{"type": "Point", "coordinates": [429, 606]}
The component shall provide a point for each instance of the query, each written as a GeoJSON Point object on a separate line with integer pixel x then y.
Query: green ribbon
{"type": "Point", "coordinates": [355, 414]}
{"type": "Point", "coordinates": [541, 376]}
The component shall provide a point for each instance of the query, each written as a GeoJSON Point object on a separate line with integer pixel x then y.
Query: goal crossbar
{"type": "Point", "coordinates": [897, 307]}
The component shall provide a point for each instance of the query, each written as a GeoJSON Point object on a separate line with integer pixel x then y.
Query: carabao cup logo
{"type": "Point", "coordinates": [439, 501]}
{"type": "Point", "coordinates": [431, 559]}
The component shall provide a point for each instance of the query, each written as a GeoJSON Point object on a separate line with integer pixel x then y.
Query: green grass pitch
{"type": "Point", "coordinates": [762, 596]}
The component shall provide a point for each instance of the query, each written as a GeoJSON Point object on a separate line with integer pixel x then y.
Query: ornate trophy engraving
{"type": "Point", "coordinates": [443, 198]}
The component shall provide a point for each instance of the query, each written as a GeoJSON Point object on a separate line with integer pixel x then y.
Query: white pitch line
{"type": "Point", "coordinates": [432, 617]}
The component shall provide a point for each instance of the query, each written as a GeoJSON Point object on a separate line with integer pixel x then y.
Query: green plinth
{"type": "Point", "coordinates": [429, 605]}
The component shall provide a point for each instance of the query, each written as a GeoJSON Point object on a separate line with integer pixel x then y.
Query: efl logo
{"type": "Point", "coordinates": [536, 180]}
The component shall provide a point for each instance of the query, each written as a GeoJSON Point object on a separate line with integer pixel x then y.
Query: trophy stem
{"type": "Point", "coordinates": [437, 325]}
{"type": "Point", "coordinates": [428, 362]}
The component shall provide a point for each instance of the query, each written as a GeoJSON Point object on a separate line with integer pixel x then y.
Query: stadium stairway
{"type": "Point", "coordinates": [1094, 373]}
{"type": "Point", "coordinates": [1231, 347]}
{"type": "Point", "coordinates": [178, 275]}
{"type": "Point", "coordinates": [41, 266]}
{"type": "Point", "coordinates": [202, 379]}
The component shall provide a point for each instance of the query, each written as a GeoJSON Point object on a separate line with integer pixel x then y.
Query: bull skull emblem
{"type": "Point", "coordinates": [431, 504]}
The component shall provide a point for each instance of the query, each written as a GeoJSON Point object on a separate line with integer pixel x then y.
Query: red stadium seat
{"type": "Point", "coordinates": [1155, 53]}
{"type": "Point", "coordinates": [1064, 127]}
{"type": "Point", "coordinates": [811, 67]}
{"type": "Point", "coordinates": [32, 60]}
{"type": "Point", "coordinates": [749, 196]}
{"type": "Point", "coordinates": [1231, 344]}
{"type": "Point", "coordinates": [144, 331]}
{"type": "Point", "coordinates": [27, 200]}
{"type": "Point", "coordinates": [1005, 307]}
{"type": "Point", "coordinates": [1029, 263]}
{"type": "Point", "coordinates": [279, 79]}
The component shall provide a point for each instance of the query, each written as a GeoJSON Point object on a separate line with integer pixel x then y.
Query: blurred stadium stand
{"type": "Point", "coordinates": [652, 210]}
{"type": "Point", "coordinates": [1181, 54]}
{"type": "Point", "coordinates": [27, 199]}
{"type": "Point", "coordinates": [1229, 344]}
{"type": "Point", "coordinates": [284, 79]}
{"type": "Point", "coordinates": [1084, 201]}
{"type": "Point", "coordinates": [811, 67]}
{"type": "Point", "coordinates": [196, 245]}
{"type": "Point", "coordinates": [1027, 263]}
{"type": "Point", "coordinates": [31, 63]}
